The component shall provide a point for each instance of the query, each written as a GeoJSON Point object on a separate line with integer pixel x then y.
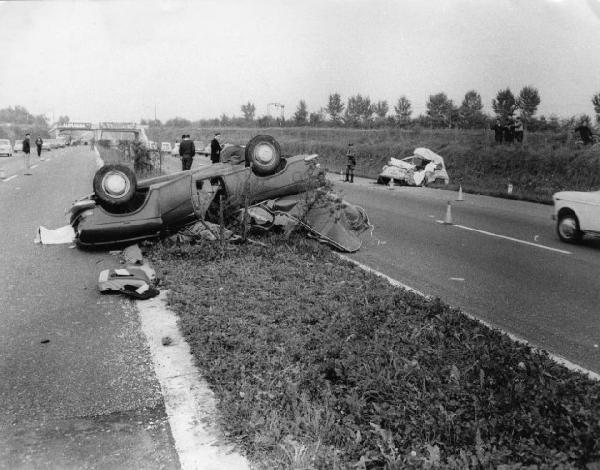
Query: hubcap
{"type": "Point", "coordinates": [264, 154]}
{"type": "Point", "coordinates": [568, 227]}
{"type": "Point", "coordinates": [116, 184]}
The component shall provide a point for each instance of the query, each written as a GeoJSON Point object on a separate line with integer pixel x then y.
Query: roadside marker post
{"type": "Point", "coordinates": [448, 218]}
{"type": "Point", "coordinates": [341, 175]}
{"type": "Point", "coordinates": [391, 184]}
{"type": "Point", "coordinates": [460, 194]}
{"type": "Point", "coordinates": [509, 188]}
{"type": "Point", "coordinates": [2, 173]}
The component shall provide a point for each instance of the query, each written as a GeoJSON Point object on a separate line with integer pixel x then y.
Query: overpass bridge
{"type": "Point", "coordinates": [87, 131]}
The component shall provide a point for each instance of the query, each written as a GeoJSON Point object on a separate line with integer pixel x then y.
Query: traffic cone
{"type": "Point", "coordinates": [448, 219]}
{"type": "Point", "coordinates": [391, 183]}
{"type": "Point", "coordinates": [460, 194]}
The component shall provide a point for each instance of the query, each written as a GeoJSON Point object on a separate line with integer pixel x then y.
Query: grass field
{"type": "Point", "coordinates": [319, 365]}
{"type": "Point", "coordinates": [545, 164]}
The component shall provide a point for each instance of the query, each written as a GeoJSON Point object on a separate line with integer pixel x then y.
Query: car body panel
{"type": "Point", "coordinates": [172, 201]}
{"type": "Point", "coordinates": [585, 205]}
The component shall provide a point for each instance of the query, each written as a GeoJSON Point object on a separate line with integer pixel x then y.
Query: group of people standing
{"type": "Point", "coordinates": [187, 150]}
{"type": "Point", "coordinates": [509, 132]}
{"type": "Point", "coordinates": [27, 147]}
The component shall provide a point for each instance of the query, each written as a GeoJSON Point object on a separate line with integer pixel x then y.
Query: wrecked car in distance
{"type": "Point", "coordinates": [124, 210]}
{"type": "Point", "coordinates": [420, 169]}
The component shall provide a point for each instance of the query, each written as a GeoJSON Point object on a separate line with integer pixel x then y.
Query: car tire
{"type": "Point", "coordinates": [115, 184]}
{"type": "Point", "coordinates": [232, 151]}
{"type": "Point", "coordinates": [567, 228]}
{"type": "Point", "coordinates": [263, 154]}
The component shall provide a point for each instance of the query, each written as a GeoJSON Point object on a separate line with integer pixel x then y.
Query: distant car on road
{"type": "Point", "coordinates": [420, 169]}
{"type": "Point", "coordinates": [124, 210]}
{"type": "Point", "coordinates": [5, 148]}
{"type": "Point", "coordinates": [18, 147]}
{"type": "Point", "coordinates": [576, 213]}
{"type": "Point", "coordinates": [165, 147]}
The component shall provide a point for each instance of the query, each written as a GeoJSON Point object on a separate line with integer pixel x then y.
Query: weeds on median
{"type": "Point", "coordinates": [317, 364]}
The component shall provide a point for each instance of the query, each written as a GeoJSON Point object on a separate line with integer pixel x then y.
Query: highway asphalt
{"type": "Point", "coordinates": [499, 260]}
{"type": "Point", "coordinates": [77, 385]}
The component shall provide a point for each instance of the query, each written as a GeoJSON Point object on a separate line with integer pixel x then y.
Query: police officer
{"type": "Point", "coordinates": [215, 149]}
{"type": "Point", "coordinates": [187, 150]}
{"type": "Point", "coordinates": [350, 164]}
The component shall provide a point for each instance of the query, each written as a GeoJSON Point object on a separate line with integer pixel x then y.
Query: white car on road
{"type": "Point", "coordinates": [576, 213]}
{"type": "Point", "coordinates": [5, 148]}
{"type": "Point", "coordinates": [165, 147]}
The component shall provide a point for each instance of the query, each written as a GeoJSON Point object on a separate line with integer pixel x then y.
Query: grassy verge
{"type": "Point", "coordinates": [317, 364]}
{"type": "Point", "coordinates": [545, 164]}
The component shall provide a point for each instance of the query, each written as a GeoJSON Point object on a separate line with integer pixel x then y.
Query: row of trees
{"type": "Point", "coordinates": [441, 112]}
{"type": "Point", "coordinates": [20, 115]}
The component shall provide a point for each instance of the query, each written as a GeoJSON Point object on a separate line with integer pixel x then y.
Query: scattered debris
{"type": "Point", "coordinates": [166, 341]}
{"type": "Point", "coordinates": [45, 341]}
{"type": "Point", "coordinates": [57, 236]}
{"type": "Point", "coordinates": [132, 254]}
{"type": "Point", "coordinates": [132, 281]}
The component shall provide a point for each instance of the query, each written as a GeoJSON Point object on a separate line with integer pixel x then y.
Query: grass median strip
{"type": "Point", "coordinates": [318, 364]}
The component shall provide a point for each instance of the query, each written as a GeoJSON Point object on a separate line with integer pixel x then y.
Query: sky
{"type": "Point", "coordinates": [120, 60]}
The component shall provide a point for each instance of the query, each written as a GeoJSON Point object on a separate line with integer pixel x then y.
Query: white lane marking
{"type": "Point", "coordinates": [555, 357]}
{"type": "Point", "coordinates": [10, 178]}
{"type": "Point", "coordinates": [189, 402]}
{"type": "Point", "coordinates": [460, 279]}
{"type": "Point", "coordinates": [35, 166]}
{"type": "Point", "coordinates": [517, 240]}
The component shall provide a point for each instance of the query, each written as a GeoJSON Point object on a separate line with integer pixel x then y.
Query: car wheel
{"type": "Point", "coordinates": [115, 184]}
{"type": "Point", "coordinates": [232, 151]}
{"type": "Point", "coordinates": [263, 153]}
{"type": "Point", "coordinates": [567, 228]}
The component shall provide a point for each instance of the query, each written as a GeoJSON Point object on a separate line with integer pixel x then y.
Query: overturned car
{"type": "Point", "coordinates": [124, 210]}
{"type": "Point", "coordinates": [420, 169]}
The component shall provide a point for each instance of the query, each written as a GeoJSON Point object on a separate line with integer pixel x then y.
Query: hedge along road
{"type": "Point", "coordinates": [500, 260]}
{"type": "Point", "coordinates": [77, 385]}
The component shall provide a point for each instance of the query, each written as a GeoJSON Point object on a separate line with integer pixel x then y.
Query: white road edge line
{"type": "Point", "coordinates": [505, 237]}
{"type": "Point", "coordinates": [189, 402]}
{"type": "Point", "coordinates": [10, 178]}
{"type": "Point", "coordinates": [555, 357]}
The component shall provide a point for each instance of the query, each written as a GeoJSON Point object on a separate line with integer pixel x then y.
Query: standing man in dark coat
{"type": "Point", "coordinates": [38, 143]}
{"type": "Point", "coordinates": [350, 164]}
{"type": "Point", "coordinates": [215, 149]}
{"type": "Point", "coordinates": [26, 150]}
{"type": "Point", "coordinates": [585, 133]}
{"type": "Point", "coordinates": [498, 131]}
{"type": "Point", "coordinates": [187, 150]}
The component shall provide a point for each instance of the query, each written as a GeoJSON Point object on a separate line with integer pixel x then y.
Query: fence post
{"type": "Point", "coordinates": [221, 226]}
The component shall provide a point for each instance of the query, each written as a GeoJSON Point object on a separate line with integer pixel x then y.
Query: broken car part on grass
{"type": "Point", "coordinates": [123, 210]}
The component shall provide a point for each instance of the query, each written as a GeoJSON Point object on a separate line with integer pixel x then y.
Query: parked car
{"type": "Point", "coordinates": [576, 213]}
{"type": "Point", "coordinates": [151, 145]}
{"type": "Point", "coordinates": [123, 210]}
{"type": "Point", "coordinates": [5, 148]}
{"type": "Point", "coordinates": [18, 147]}
{"type": "Point", "coordinates": [420, 169]}
{"type": "Point", "coordinates": [165, 147]}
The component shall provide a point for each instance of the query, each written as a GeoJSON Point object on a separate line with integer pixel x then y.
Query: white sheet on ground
{"type": "Point", "coordinates": [57, 236]}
